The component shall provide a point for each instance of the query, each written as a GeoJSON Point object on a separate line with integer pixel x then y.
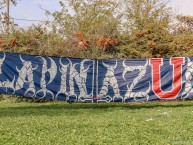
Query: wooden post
{"type": "Point", "coordinates": [7, 20]}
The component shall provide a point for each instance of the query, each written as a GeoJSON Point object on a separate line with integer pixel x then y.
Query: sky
{"type": "Point", "coordinates": [31, 9]}
{"type": "Point", "coordinates": [184, 7]}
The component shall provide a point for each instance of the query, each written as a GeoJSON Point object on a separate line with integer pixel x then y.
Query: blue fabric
{"type": "Point", "coordinates": [88, 80]}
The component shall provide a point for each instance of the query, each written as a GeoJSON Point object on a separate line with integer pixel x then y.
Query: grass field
{"type": "Point", "coordinates": [113, 123]}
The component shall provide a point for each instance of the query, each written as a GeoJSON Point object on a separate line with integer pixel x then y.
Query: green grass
{"type": "Point", "coordinates": [113, 123]}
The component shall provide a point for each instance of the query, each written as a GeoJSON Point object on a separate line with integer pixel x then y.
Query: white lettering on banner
{"type": "Point", "coordinates": [109, 80]}
{"type": "Point", "coordinates": [26, 76]}
{"type": "Point", "coordinates": [52, 71]}
{"type": "Point", "coordinates": [129, 93]}
{"type": "Point", "coordinates": [188, 77]}
{"type": "Point", "coordinates": [80, 79]}
{"type": "Point", "coordinates": [63, 89]}
{"type": "Point", "coordinates": [6, 84]}
{"type": "Point", "coordinates": [1, 62]}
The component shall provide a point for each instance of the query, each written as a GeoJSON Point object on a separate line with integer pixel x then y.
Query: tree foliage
{"type": "Point", "coordinates": [91, 17]}
{"type": "Point", "coordinates": [142, 14]}
{"type": "Point", "coordinates": [185, 24]}
{"type": "Point", "coordinates": [107, 29]}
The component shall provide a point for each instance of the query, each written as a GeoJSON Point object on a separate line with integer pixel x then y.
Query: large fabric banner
{"type": "Point", "coordinates": [87, 80]}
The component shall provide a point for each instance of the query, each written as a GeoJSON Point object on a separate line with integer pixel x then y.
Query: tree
{"type": "Point", "coordinates": [4, 16]}
{"type": "Point", "coordinates": [146, 27]}
{"type": "Point", "coordinates": [83, 22]}
{"type": "Point", "coordinates": [99, 17]}
{"type": "Point", "coordinates": [185, 24]}
{"type": "Point", "coordinates": [183, 35]}
{"type": "Point", "coordinates": [140, 14]}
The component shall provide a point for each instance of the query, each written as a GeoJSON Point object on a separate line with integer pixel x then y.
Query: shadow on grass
{"type": "Point", "coordinates": [57, 108]}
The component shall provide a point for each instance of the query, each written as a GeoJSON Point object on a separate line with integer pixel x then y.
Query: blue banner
{"type": "Point", "coordinates": [89, 80]}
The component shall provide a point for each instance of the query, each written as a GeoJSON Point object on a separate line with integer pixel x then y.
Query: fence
{"type": "Point", "coordinates": [88, 80]}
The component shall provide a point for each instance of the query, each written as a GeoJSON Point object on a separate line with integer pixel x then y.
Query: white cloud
{"type": "Point", "coordinates": [184, 7]}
